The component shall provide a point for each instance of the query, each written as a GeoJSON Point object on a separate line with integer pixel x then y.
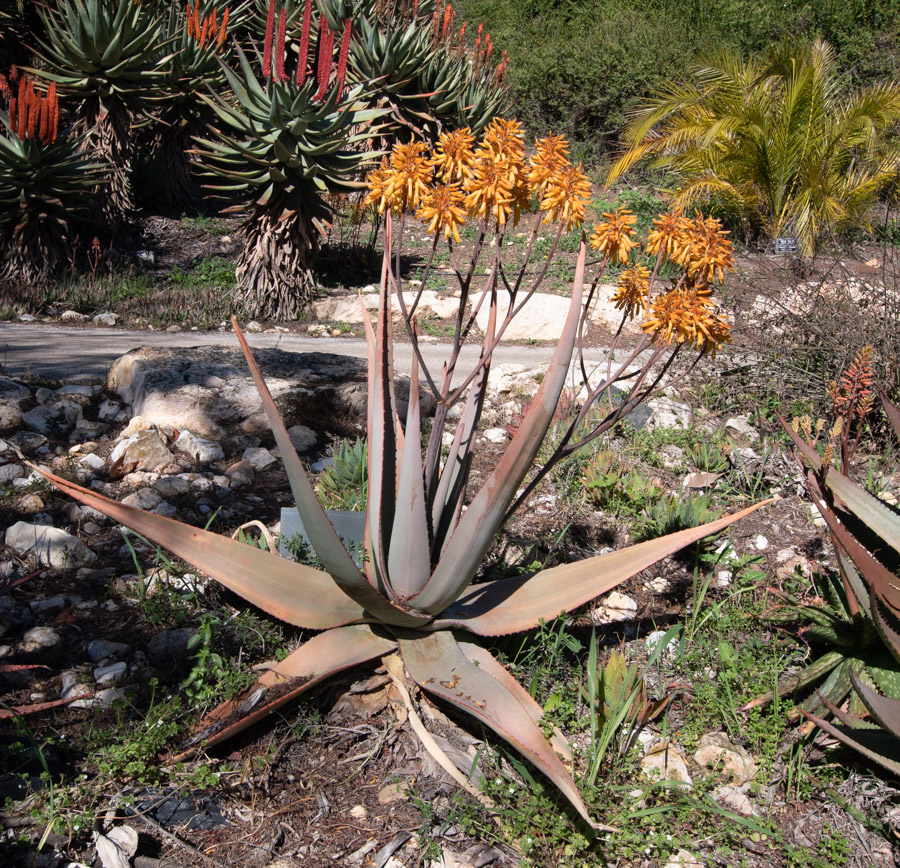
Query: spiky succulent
{"type": "Point", "coordinates": [284, 142]}
{"type": "Point", "coordinates": [45, 184]}
{"type": "Point", "coordinates": [111, 56]}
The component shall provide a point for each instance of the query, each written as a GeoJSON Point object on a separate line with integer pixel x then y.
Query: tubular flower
{"type": "Point", "coordinates": [490, 191]}
{"type": "Point", "coordinates": [566, 196]}
{"type": "Point", "coordinates": [380, 193]}
{"type": "Point", "coordinates": [634, 287]}
{"type": "Point", "coordinates": [669, 234]}
{"type": "Point", "coordinates": [615, 237]}
{"type": "Point", "coordinates": [684, 316]}
{"type": "Point", "coordinates": [411, 174]}
{"type": "Point", "coordinates": [505, 141]}
{"type": "Point", "coordinates": [551, 155]}
{"type": "Point", "coordinates": [453, 155]}
{"type": "Point", "coordinates": [708, 254]}
{"type": "Point", "coordinates": [442, 209]}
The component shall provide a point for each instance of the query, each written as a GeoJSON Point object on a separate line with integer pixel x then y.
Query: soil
{"type": "Point", "coordinates": [340, 778]}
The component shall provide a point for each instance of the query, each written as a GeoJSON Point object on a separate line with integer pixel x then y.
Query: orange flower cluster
{"type": "Point", "coordinates": [633, 290]}
{"type": "Point", "coordinates": [31, 115]}
{"type": "Point", "coordinates": [210, 29]}
{"type": "Point", "coordinates": [853, 395]}
{"type": "Point", "coordinates": [699, 246]}
{"type": "Point", "coordinates": [614, 237]}
{"type": "Point", "coordinates": [685, 316]}
{"type": "Point", "coordinates": [491, 181]}
{"type": "Point", "coordinates": [444, 33]}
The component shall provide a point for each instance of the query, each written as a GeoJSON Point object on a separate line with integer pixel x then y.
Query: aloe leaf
{"type": "Point", "coordinates": [511, 605]}
{"type": "Point", "coordinates": [857, 585]}
{"type": "Point", "coordinates": [314, 661]}
{"type": "Point", "coordinates": [409, 561]}
{"type": "Point", "coordinates": [881, 747]}
{"type": "Point", "coordinates": [886, 630]}
{"type": "Point", "coordinates": [489, 664]}
{"type": "Point", "coordinates": [874, 513]}
{"type": "Point", "coordinates": [476, 529]}
{"type": "Point", "coordinates": [891, 410]}
{"type": "Point", "coordinates": [19, 710]}
{"type": "Point", "coordinates": [439, 666]}
{"type": "Point", "coordinates": [885, 711]}
{"type": "Point", "coordinates": [319, 529]}
{"type": "Point", "coordinates": [292, 592]}
{"type": "Point", "coordinates": [834, 689]}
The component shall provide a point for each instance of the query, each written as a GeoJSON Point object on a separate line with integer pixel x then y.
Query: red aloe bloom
{"type": "Point", "coordinates": [304, 44]}
{"type": "Point", "coordinates": [23, 108]}
{"type": "Point", "coordinates": [343, 56]}
{"type": "Point", "coordinates": [267, 48]}
{"type": "Point", "coordinates": [33, 109]}
{"type": "Point", "coordinates": [54, 113]}
{"type": "Point", "coordinates": [279, 55]}
{"type": "Point", "coordinates": [44, 125]}
{"type": "Point", "coordinates": [223, 30]}
{"type": "Point", "coordinates": [326, 39]}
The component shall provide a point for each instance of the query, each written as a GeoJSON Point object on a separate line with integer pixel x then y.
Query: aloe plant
{"type": "Point", "coordinates": [46, 181]}
{"type": "Point", "coordinates": [111, 56]}
{"type": "Point", "coordinates": [283, 143]}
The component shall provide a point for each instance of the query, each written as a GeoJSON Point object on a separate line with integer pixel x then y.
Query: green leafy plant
{"type": "Point", "coordinates": [707, 457]}
{"type": "Point", "coordinates": [609, 485]}
{"type": "Point", "coordinates": [672, 513]}
{"type": "Point", "coordinates": [777, 143]}
{"type": "Point", "coordinates": [283, 144]}
{"type": "Point", "coordinates": [413, 602]}
{"type": "Point", "coordinates": [344, 483]}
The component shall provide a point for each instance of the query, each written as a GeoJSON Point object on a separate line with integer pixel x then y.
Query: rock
{"type": "Point", "coordinates": [667, 412]}
{"type": "Point", "coordinates": [101, 649]}
{"type": "Point", "coordinates": [259, 458]}
{"type": "Point", "coordinates": [672, 457]}
{"type": "Point", "coordinates": [170, 646]}
{"type": "Point", "coordinates": [202, 450]}
{"type": "Point", "coordinates": [172, 486]}
{"type": "Point", "coordinates": [240, 473]}
{"type": "Point", "coordinates": [78, 394]}
{"type": "Point", "coordinates": [40, 639]}
{"type": "Point", "coordinates": [615, 607]}
{"type": "Point", "coordinates": [111, 411]}
{"type": "Point", "coordinates": [496, 435]}
{"type": "Point", "coordinates": [10, 417]}
{"type": "Point", "coordinates": [29, 504]}
{"type": "Point", "coordinates": [13, 392]}
{"type": "Point", "coordinates": [52, 420]}
{"type": "Point", "coordinates": [666, 762]}
{"type": "Point", "coordinates": [116, 849]}
{"type": "Point", "coordinates": [735, 799]}
{"type": "Point", "coordinates": [48, 606]}
{"type": "Point", "coordinates": [724, 578]}
{"type": "Point", "coordinates": [9, 472]}
{"type": "Point", "coordinates": [659, 585]}
{"type": "Point", "coordinates": [302, 437]}
{"type": "Point", "coordinates": [741, 431]}
{"type": "Point", "coordinates": [107, 319]}
{"type": "Point", "coordinates": [28, 441]}
{"type": "Point", "coordinates": [145, 448]}
{"type": "Point", "coordinates": [114, 673]}
{"type": "Point", "coordinates": [253, 326]}
{"type": "Point", "coordinates": [52, 546]}
{"type": "Point", "coordinates": [352, 310]}
{"type": "Point", "coordinates": [759, 542]}
{"type": "Point", "coordinates": [92, 462]}
{"type": "Point", "coordinates": [145, 498]}
{"type": "Point", "coordinates": [209, 391]}
{"type": "Point", "coordinates": [72, 316]}
{"type": "Point", "coordinates": [716, 750]}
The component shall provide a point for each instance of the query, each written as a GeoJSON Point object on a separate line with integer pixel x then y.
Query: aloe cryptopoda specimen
{"type": "Point", "coordinates": [426, 533]}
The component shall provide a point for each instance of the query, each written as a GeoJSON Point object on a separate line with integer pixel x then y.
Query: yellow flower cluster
{"type": "Point", "coordinates": [489, 181]}
{"type": "Point", "coordinates": [685, 316]}
{"type": "Point", "coordinates": [633, 290]}
{"type": "Point", "coordinates": [614, 237]}
{"type": "Point", "coordinates": [699, 246]}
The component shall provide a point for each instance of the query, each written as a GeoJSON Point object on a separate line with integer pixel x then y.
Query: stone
{"type": "Point", "coordinates": [53, 547]}
{"type": "Point", "coordinates": [52, 420]}
{"type": "Point", "coordinates": [735, 799]}
{"type": "Point", "coordinates": [496, 435]}
{"type": "Point", "coordinates": [72, 316]}
{"type": "Point", "coordinates": [107, 319]}
{"type": "Point", "coordinates": [28, 441]}
{"type": "Point", "coordinates": [741, 431]}
{"type": "Point", "coordinates": [146, 449]}
{"type": "Point", "coordinates": [666, 762]}
{"type": "Point", "coordinates": [29, 504]}
{"type": "Point", "coordinates": [716, 750]}
{"type": "Point", "coordinates": [615, 607]}
{"type": "Point", "coordinates": [170, 646]}
{"type": "Point", "coordinates": [668, 412]}
{"type": "Point", "coordinates": [259, 458]}
{"type": "Point", "coordinates": [240, 473]}
{"type": "Point", "coordinates": [10, 417]}
{"type": "Point", "coordinates": [659, 585]}
{"type": "Point", "coordinates": [302, 437]}
{"type": "Point", "coordinates": [9, 472]}
{"type": "Point", "coordinates": [101, 649]}
{"type": "Point", "coordinates": [43, 639]}
{"type": "Point", "coordinates": [145, 498]}
{"type": "Point", "coordinates": [172, 486]}
{"type": "Point", "coordinates": [14, 393]}
{"type": "Point", "coordinates": [48, 606]}
{"type": "Point", "coordinates": [110, 411]}
{"type": "Point", "coordinates": [759, 542]}
{"type": "Point", "coordinates": [78, 394]}
{"type": "Point", "coordinates": [111, 674]}
{"type": "Point", "coordinates": [352, 310]}
{"type": "Point", "coordinates": [202, 450]}
{"type": "Point", "coordinates": [209, 391]}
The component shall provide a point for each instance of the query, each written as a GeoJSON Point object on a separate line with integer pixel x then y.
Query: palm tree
{"type": "Point", "coordinates": [777, 143]}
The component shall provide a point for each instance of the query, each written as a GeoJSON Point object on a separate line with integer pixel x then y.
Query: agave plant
{"type": "Point", "coordinates": [426, 533]}
{"type": "Point", "coordinates": [866, 533]}
{"type": "Point", "coordinates": [111, 55]}
{"type": "Point", "coordinates": [45, 183]}
{"type": "Point", "coordinates": [287, 141]}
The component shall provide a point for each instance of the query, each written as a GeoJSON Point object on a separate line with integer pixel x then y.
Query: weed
{"type": "Point", "coordinates": [201, 223]}
{"type": "Point", "coordinates": [672, 513]}
{"type": "Point", "coordinates": [214, 272]}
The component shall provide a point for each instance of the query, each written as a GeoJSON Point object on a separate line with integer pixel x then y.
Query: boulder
{"type": "Point", "coordinates": [209, 391]}
{"type": "Point", "coordinates": [349, 309]}
{"type": "Point", "coordinates": [52, 546]}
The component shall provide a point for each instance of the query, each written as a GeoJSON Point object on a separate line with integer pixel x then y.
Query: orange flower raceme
{"type": "Point", "coordinates": [489, 190]}
{"type": "Point", "coordinates": [566, 196]}
{"type": "Point", "coordinates": [614, 236]}
{"type": "Point", "coordinates": [442, 209]}
{"type": "Point", "coordinates": [401, 185]}
{"type": "Point", "coordinates": [378, 182]}
{"type": "Point", "coordinates": [453, 156]}
{"type": "Point", "coordinates": [505, 140]}
{"type": "Point", "coordinates": [634, 286]}
{"type": "Point", "coordinates": [708, 254]}
{"type": "Point", "coordinates": [685, 316]}
{"type": "Point", "coordinates": [669, 234]}
{"type": "Point", "coordinates": [551, 154]}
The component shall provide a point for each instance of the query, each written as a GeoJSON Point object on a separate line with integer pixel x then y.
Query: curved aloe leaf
{"type": "Point", "coordinates": [476, 529]}
{"type": "Point", "coordinates": [439, 666]}
{"type": "Point", "coordinates": [512, 605]}
{"type": "Point", "coordinates": [891, 410]}
{"type": "Point", "coordinates": [312, 662]}
{"type": "Point", "coordinates": [321, 532]}
{"type": "Point", "coordinates": [877, 745]}
{"type": "Point", "coordinates": [290, 591]}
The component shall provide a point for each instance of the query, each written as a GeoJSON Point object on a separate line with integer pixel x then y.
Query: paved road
{"type": "Point", "coordinates": [58, 353]}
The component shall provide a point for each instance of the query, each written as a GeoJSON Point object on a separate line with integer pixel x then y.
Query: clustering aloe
{"type": "Point", "coordinates": [284, 143]}
{"type": "Point", "coordinates": [45, 182]}
{"type": "Point", "coordinates": [427, 530]}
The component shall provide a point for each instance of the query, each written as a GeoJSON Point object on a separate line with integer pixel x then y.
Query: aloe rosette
{"type": "Point", "coordinates": [424, 547]}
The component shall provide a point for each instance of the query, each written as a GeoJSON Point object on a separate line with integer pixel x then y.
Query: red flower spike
{"type": "Point", "coordinates": [197, 19]}
{"type": "Point", "coordinates": [13, 74]}
{"type": "Point", "coordinates": [304, 44]}
{"type": "Point", "coordinates": [490, 48]}
{"type": "Point", "coordinates": [223, 29]}
{"type": "Point", "coordinates": [270, 34]}
{"type": "Point", "coordinates": [12, 115]}
{"type": "Point", "coordinates": [344, 56]}
{"type": "Point", "coordinates": [279, 54]}
{"type": "Point", "coordinates": [204, 32]}
{"type": "Point", "coordinates": [23, 108]}
{"type": "Point", "coordinates": [189, 23]}
{"type": "Point", "coordinates": [53, 100]}
{"type": "Point", "coordinates": [44, 123]}
{"type": "Point", "coordinates": [33, 109]}
{"type": "Point", "coordinates": [324, 65]}
{"type": "Point", "coordinates": [448, 12]}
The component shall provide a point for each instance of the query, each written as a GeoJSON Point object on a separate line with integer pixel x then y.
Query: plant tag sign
{"type": "Point", "coordinates": [785, 245]}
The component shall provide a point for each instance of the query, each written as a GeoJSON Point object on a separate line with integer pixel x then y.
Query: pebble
{"type": "Point", "coordinates": [259, 457]}
{"type": "Point", "coordinates": [204, 451]}
{"type": "Point", "coordinates": [39, 639]}
{"type": "Point", "coordinates": [496, 435]}
{"type": "Point", "coordinates": [111, 674]}
{"type": "Point", "coordinates": [9, 472]}
{"type": "Point", "coordinates": [759, 542]}
{"type": "Point", "coordinates": [47, 607]}
{"type": "Point", "coordinates": [101, 649]}
{"type": "Point", "coordinates": [172, 486]}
